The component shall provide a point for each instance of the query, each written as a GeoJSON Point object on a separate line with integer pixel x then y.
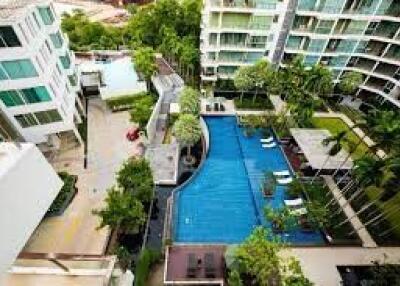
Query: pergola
{"type": "Point", "coordinates": [310, 142]}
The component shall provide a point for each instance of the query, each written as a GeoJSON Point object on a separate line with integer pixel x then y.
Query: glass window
{"type": "Point", "coordinates": [35, 94]}
{"type": "Point", "coordinates": [57, 40]}
{"type": "Point", "coordinates": [19, 69]}
{"type": "Point", "coordinates": [65, 61]}
{"type": "Point", "coordinates": [26, 120]}
{"type": "Point", "coordinates": [8, 38]}
{"type": "Point", "coordinates": [10, 98]}
{"type": "Point", "coordinates": [3, 75]}
{"type": "Point", "coordinates": [36, 20]}
{"type": "Point", "coordinates": [72, 80]}
{"type": "Point", "coordinates": [48, 116]}
{"type": "Point", "coordinates": [47, 15]}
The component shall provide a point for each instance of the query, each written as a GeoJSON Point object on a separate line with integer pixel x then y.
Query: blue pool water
{"type": "Point", "coordinates": [223, 202]}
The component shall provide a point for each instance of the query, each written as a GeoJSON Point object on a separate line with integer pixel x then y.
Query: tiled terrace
{"type": "Point", "coordinates": [177, 264]}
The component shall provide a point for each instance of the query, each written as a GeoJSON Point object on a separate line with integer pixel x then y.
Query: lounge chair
{"type": "Point", "coordinates": [267, 140]}
{"type": "Point", "coordinates": [294, 203]}
{"type": "Point", "coordinates": [209, 265]}
{"type": "Point", "coordinates": [216, 107]}
{"type": "Point", "coordinates": [298, 212]}
{"type": "Point", "coordinates": [284, 181]}
{"type": "Point", "coordinates": [284, 173]}
{"type": "Point", "coordinates": [269, 145]}
{"type": "Point", "coordinates": [208, 108]}
{"type": "Point", "coordinates": [222, 107]}
{"type": "Point", "coordinates": [191, 265]}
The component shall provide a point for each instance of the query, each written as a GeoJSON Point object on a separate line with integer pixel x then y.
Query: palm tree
{"type": "Point", "coordinates": [319, 81]}
{"type": "Point", "coordinates": [337, 140]}
{"type": "Point", "coordinates": [385, 126]}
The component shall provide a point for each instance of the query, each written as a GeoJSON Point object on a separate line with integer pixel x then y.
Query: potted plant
{"type": "Point", "coordinates": [294, 190]}
{"type": "Point", "coordinates": [281, 219]}
{"type": "Point", "coordinates": [269, 184]}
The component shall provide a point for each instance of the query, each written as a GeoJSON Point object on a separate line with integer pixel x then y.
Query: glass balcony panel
{"type": "Point", "coordinates": [356, 27]}
{"type": "Point", "coordinates": [346, 46]}
{"type": "Point", "coordinates": [311, 60]}
{"type": "Point", "coordinates": [330, 6]}
{"type": "Point", "coordinates": [228, 70]}
{"type": "Point", "coordinates": [307, 5]}
{"type": "Point", "coordinates": [324, 27]}
{"type": "Point", "coordinates": [258, 41]}
{"type": "Point", "coordinates": [214, 20]}
{"type": "Point", "coordinates": [340, 61]}
{"type": "Point", "coordinates": [233, 39]}
{"type": "Point", "coordinates": [317, 45]}
{"type": "Point", "coordinates": [294, 42]}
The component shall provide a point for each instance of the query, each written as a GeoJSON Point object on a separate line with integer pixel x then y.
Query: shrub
{"type": "Point", "coordinates": [148, 257]}
{"type": "Point", "coordinates": [126, 101]}
{"type": "Point", "coordinates": [259, 104]}
{"type": "Point", "coordinates": [65, 193]}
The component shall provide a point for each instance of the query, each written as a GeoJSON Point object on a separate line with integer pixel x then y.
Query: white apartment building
{"type": "Point", "coordinates": [38, 83]}
{"type": "Point", "coordinates": [345, 35]}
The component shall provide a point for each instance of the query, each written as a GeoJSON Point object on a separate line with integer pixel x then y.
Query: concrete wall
{"type": "Point", "coordinates": [28, 186]}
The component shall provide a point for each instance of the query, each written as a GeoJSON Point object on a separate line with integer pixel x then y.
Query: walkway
{"type": "Point", "coordinates": [367, 240]}
{"type": "Point", "coordinates": [319, 263]}
{"type": "Point", "coordinates": [75, 231]}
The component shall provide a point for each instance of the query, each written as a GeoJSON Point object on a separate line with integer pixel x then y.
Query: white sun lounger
{"type": "Point", "coordinates": [284, 173]}
{"type": "Point", "coordinates": [285, 181]}
{"type": "Point", "coordinates": [267, 140]}
{"type": "Point", "coordinates": [294, 203]}
{"type": "Point", "coordinates": [269, 145]}
{"type": "Point", "coordinates": [297, 212]}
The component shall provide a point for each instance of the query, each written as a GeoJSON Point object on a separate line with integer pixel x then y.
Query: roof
{"type": "Point", "coordinates": [310, 142]}
{"type": "Point", "coordinates": [12, 8]}
{"type": "Point", "coordinates": [28, 186]}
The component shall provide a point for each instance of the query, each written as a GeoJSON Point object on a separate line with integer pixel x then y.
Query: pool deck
{"type": "Point", "coordinates": [176, 264]}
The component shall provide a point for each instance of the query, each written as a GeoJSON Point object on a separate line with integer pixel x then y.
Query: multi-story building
{"type": "Point", "coordinates": [345, 35]}
{"type": "Point", "coordinates": [39, 88]}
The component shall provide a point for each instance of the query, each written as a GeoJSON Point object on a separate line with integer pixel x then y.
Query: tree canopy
{"type": "Point", "coordinates": [122, 211]}
{"type": "Point", "coordinates": [135, 177]}
{"type": "Point", "coordinates": [187, 129]}
{"type": "Point", "coordinates": [259, 257]}
{"type": "Point", "coordinates": [189, 101]}
{"type": "Point", "coordinates": [350, 82]}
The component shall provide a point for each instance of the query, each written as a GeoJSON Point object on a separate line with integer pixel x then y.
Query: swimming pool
{"type": "Point", "coordinates": [223, 202]}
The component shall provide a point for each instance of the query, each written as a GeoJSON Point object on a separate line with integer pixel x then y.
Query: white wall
{"type": "Point", "coordinates": [28, 186]}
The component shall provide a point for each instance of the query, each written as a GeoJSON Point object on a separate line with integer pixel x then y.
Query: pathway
{"type": "Point", "coordinates": [75, 231]}
{"type": "Point", "coordinates": [367, 240]}
{"type": "Point", "coordinates": [320, 263]}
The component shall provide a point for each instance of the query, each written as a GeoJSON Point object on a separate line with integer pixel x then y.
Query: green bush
{"type": "Point", "coordinates": [148, 257]}
{"type": "Point", "coordinates": [125, 101]}
{"type": "Point", "coordinates": [261, 103]}
{"type": "Point", "coordinates": [64, 194]}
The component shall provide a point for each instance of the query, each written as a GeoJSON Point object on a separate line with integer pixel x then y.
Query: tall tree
{"type": "Point", "coordinates": [122, 212]}
{"type": "Point", "coordinates": [242, 80]}
{"type": "Point", "coordinates": [187, 131]}
{"type": "Point", "coordinates": [189, 101]}
{"type": "Point", "coordinates": [136, 178]}
{"type": "Point", "coordinates": [145, 62]}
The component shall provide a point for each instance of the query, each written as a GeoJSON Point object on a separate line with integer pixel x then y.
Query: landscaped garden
{"type": "Point", "coordinates": [335, 126]}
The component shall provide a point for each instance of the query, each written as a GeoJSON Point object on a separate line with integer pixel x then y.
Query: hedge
{"type": "Point", "coordinates": [125, 102]}
{"type": "Point", "coordinates": [65, 195]}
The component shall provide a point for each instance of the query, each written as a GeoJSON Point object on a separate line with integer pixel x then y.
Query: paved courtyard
{"type": "Point", "coordinates": [75, 231]}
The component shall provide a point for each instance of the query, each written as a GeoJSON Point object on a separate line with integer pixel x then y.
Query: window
{"type": "Point", "coordinates": [57, 40]}
{"type": "Point", "coordinates": [48, 116]}
{"type": "Point", "coordinates": [35, 94]}
{"type": "Point", "coordinates": [10, 98]}
{"type": "Point", "coordinates": [47, 15]}
{"type": "Point", "coordinates": [65, 61]}
{"type": "Point", "coordinates": [19, 69]}
{"type": "Point", "coordinates": [3, 75]}
{"type": "Point", "coordinates": [72, 80]}
{"type": "Point", "coordinates": [8, 38]}
{"type": "Point", "coordinates": [26, 120]}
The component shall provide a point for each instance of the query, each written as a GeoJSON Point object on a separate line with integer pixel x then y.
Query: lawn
{"type": "Point", "coordinates": [336, 125]}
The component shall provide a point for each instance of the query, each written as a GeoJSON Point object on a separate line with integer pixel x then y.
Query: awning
{"type": "Point", "coordinates": [310, 142]}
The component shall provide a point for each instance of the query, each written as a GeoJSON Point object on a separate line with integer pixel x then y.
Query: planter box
{"type": "Point", "coordinates": [66, 202]}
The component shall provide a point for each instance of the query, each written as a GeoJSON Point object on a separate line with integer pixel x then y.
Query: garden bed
{"type": "Point", "coordinates": [261, 103]}
{"type": "Point", "coordinates": [125, 102]}
{"type": "Point", "coordinates": [336, 125]}
{"type": "Point", "coordinates": [65, 196]}
{"type": "Point", "coordinates": [320, 194]}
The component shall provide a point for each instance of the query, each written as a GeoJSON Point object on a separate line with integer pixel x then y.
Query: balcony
{"type": "Point", "coordinates": [364, 64]}
{"type": "Point", "coordinates": [386, 69]}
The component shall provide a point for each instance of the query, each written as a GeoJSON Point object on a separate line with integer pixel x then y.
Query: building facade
{"type": "Point", "coordinates": [345, 35]}
{"type": "Point", "coordinates": [38, 82]}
